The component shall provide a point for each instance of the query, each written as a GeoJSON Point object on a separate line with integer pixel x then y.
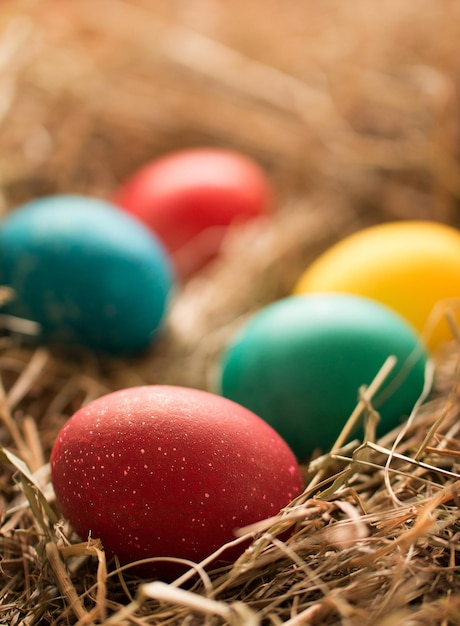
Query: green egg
{"type": "Point", "coordinates": [299, 364]}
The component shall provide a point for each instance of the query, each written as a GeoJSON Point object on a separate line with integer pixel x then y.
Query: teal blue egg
{"type": "Point", "coordinates": [86, 272]}
{"type": "Point", "coordinates": [299, 364]}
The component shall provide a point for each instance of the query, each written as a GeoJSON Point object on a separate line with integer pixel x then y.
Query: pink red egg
{"type": "Point", "coordinates": [160, 471]}
{"type": "Point", "coordinates": [189, 199]}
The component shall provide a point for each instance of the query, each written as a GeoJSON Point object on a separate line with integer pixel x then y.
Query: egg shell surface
{"type": "Point", "coordinates": [87, 272]}
{"type": "Point", "coordinates": [409, 266]}
{"type": "Point", "coordinates": [299, 364]}
{"type": "Point", "coordinates": [189, 198]}
{"type": "Point", "coordinates": [161, 471]}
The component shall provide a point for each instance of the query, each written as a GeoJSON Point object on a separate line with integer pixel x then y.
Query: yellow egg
{"type": "Point", "coordinates": [411, 266]}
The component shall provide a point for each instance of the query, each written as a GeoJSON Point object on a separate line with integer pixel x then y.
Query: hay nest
{"type": "Point", "coordinates": [353, 111]}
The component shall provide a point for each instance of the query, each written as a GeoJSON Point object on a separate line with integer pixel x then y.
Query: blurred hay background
{"type": "Point", "coordinates": [353, 109]}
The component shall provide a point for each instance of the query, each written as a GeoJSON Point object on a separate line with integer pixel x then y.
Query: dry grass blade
{"type": "Point", "coordinates": [235, 614]}
{"type": "Point", "coordinates": [64, 583]}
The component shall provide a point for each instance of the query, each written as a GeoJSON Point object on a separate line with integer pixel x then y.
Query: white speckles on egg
{"type": "Point", "coordinates": [192, 487]}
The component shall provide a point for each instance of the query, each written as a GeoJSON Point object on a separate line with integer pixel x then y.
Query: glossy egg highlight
{"type": "Point", "coordinates": [299, 364]}
{"type": "Point", "coordinates": [410, 266]}
{"type": "Point", "coordinates": [86, 272]}
{"type": "Point", "coordinates": [189, 198]}
{"type": "Point", "coordinates": [164, 471]}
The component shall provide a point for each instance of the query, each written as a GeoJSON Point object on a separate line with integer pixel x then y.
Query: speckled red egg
{"type": "Point", "coordinates": [189, 198]}
{"type": "Point", "coordinates": [169, 471]}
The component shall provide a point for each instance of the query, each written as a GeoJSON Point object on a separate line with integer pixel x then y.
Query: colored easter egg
{"type": "Point", "coordinates": [189, 198]}
{"type": "Point", "coordinates": [410, 266]}
{"type": "Point", "coordinates": [299, 363]}
{"type": "Point", "coordinates": [86, 272]}
{"type": "Point", "coordinates": [164, 471]}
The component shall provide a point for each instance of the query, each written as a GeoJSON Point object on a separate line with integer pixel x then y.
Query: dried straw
{"type": "Point", "coordinates": [353, 111]}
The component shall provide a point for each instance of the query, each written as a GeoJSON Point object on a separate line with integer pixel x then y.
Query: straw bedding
{"type": "Point", "coordinates": [352, 109]}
